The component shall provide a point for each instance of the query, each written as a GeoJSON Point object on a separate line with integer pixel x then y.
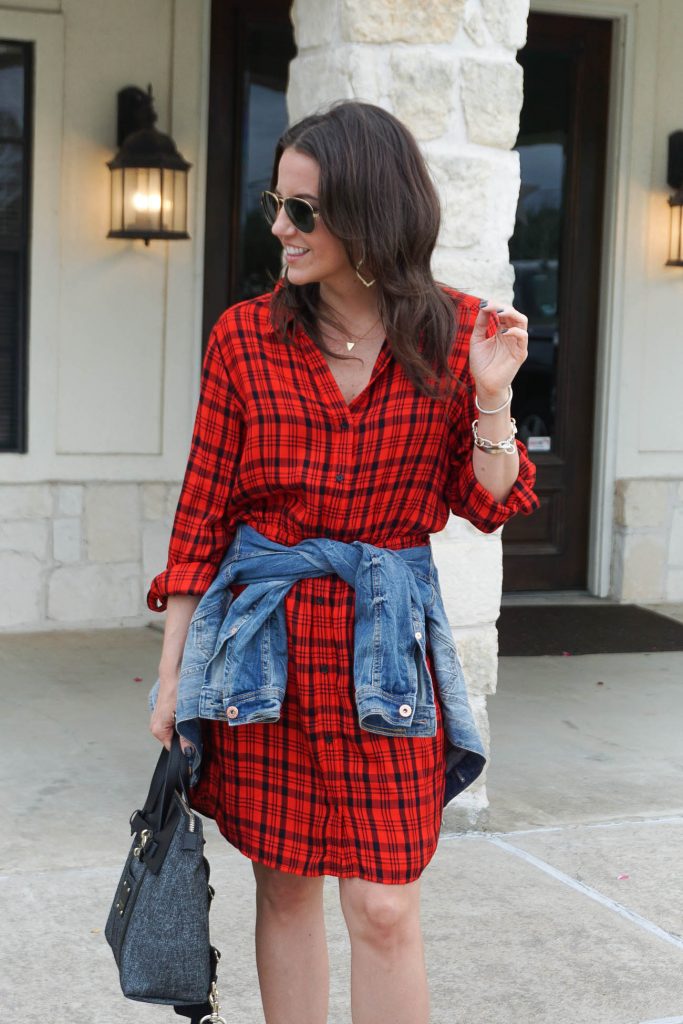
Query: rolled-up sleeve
{"type": "Point", "coordinates": [466, 496]}
{"type": "Point", "coordinates": [202, 528]}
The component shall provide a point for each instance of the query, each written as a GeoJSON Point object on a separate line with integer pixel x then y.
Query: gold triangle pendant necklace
{"type": "Point", "coordinates": [362, 337]}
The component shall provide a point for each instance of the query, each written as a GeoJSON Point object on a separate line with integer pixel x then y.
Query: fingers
{"type": "Point", "coordinates": [508, 315]}
{"type": "Point", "coordinates": [162, 724]}
{"type": "Point", "coordinates": [517, 341]}
{"type": "Point", "coordinates": [487, 321]}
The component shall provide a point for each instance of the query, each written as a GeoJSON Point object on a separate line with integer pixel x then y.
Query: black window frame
{"type": "Point", "coordinates": [20, 244]}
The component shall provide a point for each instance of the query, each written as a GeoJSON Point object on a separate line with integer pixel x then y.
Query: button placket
{"type": "Point", "coordinates": [343, 444]}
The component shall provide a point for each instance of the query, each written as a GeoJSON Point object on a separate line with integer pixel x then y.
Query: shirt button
{"type": "Point", "coordinates": [232, 711]}
{"type": "Point", "coordinates": [323, 668]}
{"type": "Point", "coordinates": [340, 477]}
{"type": "Point", "coordinates": [329, 738]}
{"type": "Point", "coordinates": [418, 636]}
{"type": "Point", "coordinates": [320, 600]}
{"type": "Point", "coordinates": [405, 710]}
{"type": "Point", "coordinates": [344, 425]}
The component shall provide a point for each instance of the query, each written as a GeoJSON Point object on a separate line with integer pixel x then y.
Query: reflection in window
{"type": "Point", "coordinates": [270, 48]}
{"type": "Point", "coordinates": [535, 247]}
{"type": "Point", "coordinates": [15, 110]}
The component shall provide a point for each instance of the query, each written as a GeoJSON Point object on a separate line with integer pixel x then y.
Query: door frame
{"type": "Point", "coordinates": [623, 208]}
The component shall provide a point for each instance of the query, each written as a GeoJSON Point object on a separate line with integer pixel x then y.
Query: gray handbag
{"type": "Point", "coordinates": [158, 925]}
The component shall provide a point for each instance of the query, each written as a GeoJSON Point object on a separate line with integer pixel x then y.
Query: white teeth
{"type": "Point", "coordinates": [293, 250]}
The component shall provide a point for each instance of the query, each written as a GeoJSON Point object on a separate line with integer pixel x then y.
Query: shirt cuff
{"type": "Point", "coordinates": [183, 578]}
{"type": "Point", "coordinates": [471, 500]}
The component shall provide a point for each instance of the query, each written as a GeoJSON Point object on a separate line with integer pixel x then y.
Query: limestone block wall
{"type": "Point", "coordinates": [81, 554]}
{"type": "Point", "coordinates": [448, 69]}
{"type": "Point", "coordinates": [647, 556]}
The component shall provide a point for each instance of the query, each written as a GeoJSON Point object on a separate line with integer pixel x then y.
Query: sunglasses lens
{"type": "Point", "coordinates": [300, 214]}
{"type": "Point", "coordinates": [269, 205]}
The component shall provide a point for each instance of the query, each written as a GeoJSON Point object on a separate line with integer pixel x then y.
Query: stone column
{"type": "Point", "coordinates": [447, 69]}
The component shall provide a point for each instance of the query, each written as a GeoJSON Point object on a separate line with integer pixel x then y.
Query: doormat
{"type": "Point", "coordinates": [527, 630]}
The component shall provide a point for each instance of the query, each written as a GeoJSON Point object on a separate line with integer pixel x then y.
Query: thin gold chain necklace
{"type": "Point", "coordinates": [362, 337]}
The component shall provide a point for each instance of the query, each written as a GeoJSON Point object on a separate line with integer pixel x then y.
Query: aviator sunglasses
{"type": "Point", "coordinates": [299, 211]}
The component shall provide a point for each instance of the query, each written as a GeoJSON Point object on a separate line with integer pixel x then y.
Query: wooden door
{"type": "Point", "coordinates": [556, 252]}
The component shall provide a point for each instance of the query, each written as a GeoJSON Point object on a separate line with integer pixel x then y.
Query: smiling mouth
{"type": "Point", "coordinates": [293, 251]}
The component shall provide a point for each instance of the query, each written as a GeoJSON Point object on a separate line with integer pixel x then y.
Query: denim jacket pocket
{"type": "Point", "coordinates": [205, 624]}
{"type": "Point", "coordinates": [447, 663]}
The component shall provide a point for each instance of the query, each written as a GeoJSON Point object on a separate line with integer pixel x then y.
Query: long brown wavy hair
{"type": "Point", "coordinates": [376, 195]}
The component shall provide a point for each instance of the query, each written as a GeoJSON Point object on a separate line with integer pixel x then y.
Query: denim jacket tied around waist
{"type": "Point", "coordinates": [234, 665]}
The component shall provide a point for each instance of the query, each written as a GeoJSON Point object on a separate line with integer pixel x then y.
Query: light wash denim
{"type": "Point", "coordinates": [234, 665]}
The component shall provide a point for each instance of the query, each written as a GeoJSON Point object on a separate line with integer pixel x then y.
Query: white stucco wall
{"type": "Point", "coordinates": [114, 339]}
{"type": "Point", "coordinates": [651, 442]}
{"type": "Point", "coordinates": [115, 326]}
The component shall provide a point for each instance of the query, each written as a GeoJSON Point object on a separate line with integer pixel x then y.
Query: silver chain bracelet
{"type": "Point", "coordinates": [506, 447]}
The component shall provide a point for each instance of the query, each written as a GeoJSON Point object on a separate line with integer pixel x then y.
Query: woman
{"type": "Point", "coordinates": [338, 409]}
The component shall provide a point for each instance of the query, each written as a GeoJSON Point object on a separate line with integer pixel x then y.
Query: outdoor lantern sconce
{"type": "Point", "coordinates": [148, 174]}
{"type": "Point", "coordinates": [674, 178]}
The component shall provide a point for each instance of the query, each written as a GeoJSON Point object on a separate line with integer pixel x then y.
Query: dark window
{"type": "Point", "coordinates": [16, 77]}
{"type": "Point", "coordinates": [535, 247]}
{"type": "Point", "coordinates": [267, 54]}
{"type": "Point", "coordinates": [252, 44]}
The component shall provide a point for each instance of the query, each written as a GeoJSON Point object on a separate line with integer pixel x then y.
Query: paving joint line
{"type": "Point", "coordinates": [664, 1020]}
{"type": "Point", "coordinates": [594, 894]}
{"type": "Point", "coordinates": [671, 819]}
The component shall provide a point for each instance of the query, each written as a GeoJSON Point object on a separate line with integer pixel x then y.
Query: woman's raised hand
{"type": "Point", "coordinates": [494, 361]}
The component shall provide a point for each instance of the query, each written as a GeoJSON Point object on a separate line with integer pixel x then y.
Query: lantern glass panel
{"type": "Point", "coordinates": [117, 199]}
{"type": "Point", "coordinates": [166, 210]}
{"type": "Point", "coordinates": [676, 236]}
{"type": "Point", "coordinates": [142, 198]}
{"type": "Point", "coordinates": [180, 201]}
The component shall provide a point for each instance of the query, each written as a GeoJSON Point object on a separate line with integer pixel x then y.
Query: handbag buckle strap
{"type": "Point", "coordinates": [145, 837]}
{"type": "Point", "coordinates": [215, 1016]}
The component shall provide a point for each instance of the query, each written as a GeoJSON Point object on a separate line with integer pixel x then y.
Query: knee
{"type": "Point", "coordinates": [385, 915]}
{"type": "Point", "coordinates": [284, 893]}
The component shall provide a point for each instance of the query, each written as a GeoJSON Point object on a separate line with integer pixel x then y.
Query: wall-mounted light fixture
{"type": "Point", "coordinates": [674, 179]}
{"type": "Point", "coordinates": [148, 174]}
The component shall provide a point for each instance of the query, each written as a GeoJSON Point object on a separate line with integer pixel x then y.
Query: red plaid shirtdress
{"type": "Point", "coordinates": [276, 445]}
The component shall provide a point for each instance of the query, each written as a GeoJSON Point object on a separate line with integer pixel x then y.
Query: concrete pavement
{"type": "Point", "coordinates": [563, 906]}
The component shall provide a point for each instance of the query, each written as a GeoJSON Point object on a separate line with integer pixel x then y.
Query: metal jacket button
{"type": "Point", "coordinates": [405, 710]}
{"type": "Point", "coordinates": [233, 712]}
{"type": "Point", "coordinates": [418, 636]}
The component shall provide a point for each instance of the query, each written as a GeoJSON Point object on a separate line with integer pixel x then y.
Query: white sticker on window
{"type": "Point", "coordinates": [538, 444]}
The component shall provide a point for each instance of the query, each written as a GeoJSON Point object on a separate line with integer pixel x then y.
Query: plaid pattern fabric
{"type": "Point", "coordinates": [276, 445]}
{"type": "Point", "coordinates": [313, 793]}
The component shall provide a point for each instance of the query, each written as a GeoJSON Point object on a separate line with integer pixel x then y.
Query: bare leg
{"type": "Point", "coordinates": [388, 973]}
{"type": "Point", "coordinates": [291, 947]}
